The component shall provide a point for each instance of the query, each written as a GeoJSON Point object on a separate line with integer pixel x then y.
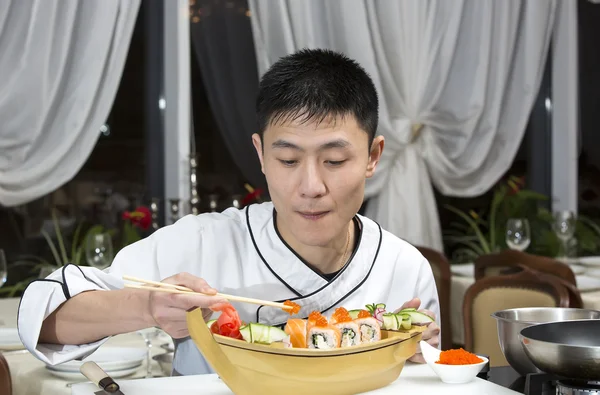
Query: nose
{"type": "Point", "coordinates": [312, 184]}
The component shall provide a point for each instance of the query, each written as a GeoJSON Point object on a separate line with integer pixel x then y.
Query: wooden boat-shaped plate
{"type": "Point", "coordinates": [249, 368]}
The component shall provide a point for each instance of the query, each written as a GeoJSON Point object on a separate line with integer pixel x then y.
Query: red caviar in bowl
{"type": "Point", "coordinates": [458, 357]}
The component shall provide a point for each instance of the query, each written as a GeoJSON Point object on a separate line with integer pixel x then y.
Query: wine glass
{"type": "Point", "coordinates": [3, 268]}
{"type": "Point", "coordinates": [518, 236]}
{"type": "Point", "coordinates": [149, 334]}
{"type": "Point", "coordinates": [564, 227]}
{"type": "Point", "coordinates": [99, 250]}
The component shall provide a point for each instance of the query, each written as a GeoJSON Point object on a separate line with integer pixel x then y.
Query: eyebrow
{"type": "Point", "coordinates": [339, 143]}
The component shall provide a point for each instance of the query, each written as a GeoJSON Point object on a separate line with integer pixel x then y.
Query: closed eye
{"type": "Point", "coordinates": [288, 162]}
{"type": "Point", "coordinates": [335, 162]}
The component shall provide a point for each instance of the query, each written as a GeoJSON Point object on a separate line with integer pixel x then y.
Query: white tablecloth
{"type": "Point", "coordinates": [588, 280]}
{"type": "Point", "coordinates": [414, 380]}
{"type": "Point", "coordinates": [30, 376]}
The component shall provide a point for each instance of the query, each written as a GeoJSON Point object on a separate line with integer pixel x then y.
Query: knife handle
{"type": "Point", "coordinates": [98, 376]}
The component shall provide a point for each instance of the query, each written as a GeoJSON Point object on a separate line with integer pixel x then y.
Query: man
{"type": "Point", "coordinates": [317, 117]}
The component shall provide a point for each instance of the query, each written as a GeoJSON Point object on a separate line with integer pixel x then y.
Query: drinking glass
{"type": "Point", "coordinates": [99, 250]}
{"type": "Point", "coordinates": [564, 227]}
{"type": "Point", "coordinates": [149, 334]}
{"type": "Point", "coordinates": [3, 268]}
{"type": "Point", "coordinates": [518, 236]}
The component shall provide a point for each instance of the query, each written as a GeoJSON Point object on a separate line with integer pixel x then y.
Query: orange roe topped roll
{"type": "Point", "coordinates": [321, 322]}
{"type": "Point", "coordinates": [364, 314]}
{"type": "Point", "coordinates": [295, 307]}
{"type": "Point", "coordinates": [458, 357]}
{"type": "Point", "coordinates": [340, 315]}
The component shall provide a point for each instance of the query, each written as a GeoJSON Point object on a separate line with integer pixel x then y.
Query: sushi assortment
{"type": "Point", "coordinates": [342, 329]}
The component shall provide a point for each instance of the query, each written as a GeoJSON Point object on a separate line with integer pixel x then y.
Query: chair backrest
{"type": "Point", "coordinates": [511, 258]}
{"type": "Point", "coordinates": [441, 272]}
{"type": "Point", "coordinates": [527, 288]}
{"type": "Point", "coordinates": [5, 380]}
{"type": "Point", "coordinates": [512, 261]}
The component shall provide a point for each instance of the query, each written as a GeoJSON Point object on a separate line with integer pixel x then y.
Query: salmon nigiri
{"type": "Point", "coordinates": [296, 328]}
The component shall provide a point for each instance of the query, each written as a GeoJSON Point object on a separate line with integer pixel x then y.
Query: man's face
{"type": "Point", "coordinates": [316, 175]}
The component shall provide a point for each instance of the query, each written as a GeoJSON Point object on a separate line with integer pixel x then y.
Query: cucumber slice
{"type": "Point", "coordinates": [408, 309]}
{"type": "Point", "coordinates": [418, 318]}
{"type": "Point", "coordinates": [209, 323]}
{"type": "Point", "coordinates": [390, 322]}
{"type": "Point", "coordinates": [354, 314]}
{"type": "Point", "coordinates": [263, 334]}
{"type": "Point", "coordinates": [405, 320]}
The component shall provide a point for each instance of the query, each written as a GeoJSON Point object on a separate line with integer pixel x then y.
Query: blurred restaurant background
{"type": "Point", "coordinates": [119, 117]}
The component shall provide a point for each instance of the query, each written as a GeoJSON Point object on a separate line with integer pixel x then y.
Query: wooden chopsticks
{"type": "Point", "coordinates": [178, 289]}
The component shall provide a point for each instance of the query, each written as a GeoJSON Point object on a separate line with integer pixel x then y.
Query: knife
{"type": "Point", "coordinates": [96, 375]}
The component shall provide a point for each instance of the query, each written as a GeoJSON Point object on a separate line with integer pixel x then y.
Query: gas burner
{"type": "Point", "coordinates": [576, 387]}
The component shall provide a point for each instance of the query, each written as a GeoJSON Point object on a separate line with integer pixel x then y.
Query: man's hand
{"type": "Point", "coordinates": [431, 335]}
{"type": "Point", "coordinates": [168, 310]}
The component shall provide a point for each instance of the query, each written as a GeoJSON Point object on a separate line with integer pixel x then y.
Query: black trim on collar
{"type": "Point", "coordinates": [326, 285]}
{"type": "Point", "coordinates": [263, 258]}
{"type": "Point", "coordinates": [356, 223]}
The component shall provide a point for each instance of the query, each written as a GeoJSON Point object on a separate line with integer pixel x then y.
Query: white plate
{"type": "Point", "coordinates": [78, 376]}
{"type": "Point", "coordinates": [108, 358]}
{"type": "Point", "coordinates": [589, 260]}
{"type": "Point", "coordinates": [9, 339]}
{"type": "Point", "coordinates": [464, 270]}
{"type": "Point", "coordinates": [593, 272]}
{"type": "Point", "coordinates": [587, 283]}
{"type": "Point", "coordinates": [578, 269]}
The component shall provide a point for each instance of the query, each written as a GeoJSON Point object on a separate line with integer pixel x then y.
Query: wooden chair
{"type": "Point", "coordinates": [509, 261]}
{"type": "Point", "coordinates": [441, 271]}
{"type": "Point", "coordinates": [5, 380]}
{"type": "Point", "coordinates": [527, 288]}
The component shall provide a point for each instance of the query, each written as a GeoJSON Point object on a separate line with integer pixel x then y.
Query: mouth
{"type": "Point", "coordinates": [313, 215]}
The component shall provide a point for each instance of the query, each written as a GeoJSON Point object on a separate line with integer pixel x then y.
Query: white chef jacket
{"type": "Point", "coordinates": [237, 252]}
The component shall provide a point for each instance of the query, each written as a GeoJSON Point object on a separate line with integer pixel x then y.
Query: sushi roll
{"type": "Point", "coordinates": [296, 328]}
{"type": "Point", "coordinates": [349, 330]}
{"type": "Point", "coordinates": [370, 330]}
{"type": "Point", "coordinates": [350, 333]}
{"type": "Point", "coordinates": [323, 337]}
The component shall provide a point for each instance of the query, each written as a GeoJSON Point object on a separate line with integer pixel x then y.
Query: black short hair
{"type": "Point", "coordinates": [313, 84]}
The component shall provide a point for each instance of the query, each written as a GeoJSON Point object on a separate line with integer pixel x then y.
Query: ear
{"type": "Point", "coordinates": [375, 155]}
{"type": "Point", "coordinates": [257, 141]}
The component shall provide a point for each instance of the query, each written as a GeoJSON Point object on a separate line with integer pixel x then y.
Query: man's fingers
{"type": "Point", "coordinates": [188, 280]}
{"type": "Point", "coordinates": [417, 358]}
{"type": "Point", "coordinates": [413, 303]}
{"type": "Point", "coordinates": [190, 301]}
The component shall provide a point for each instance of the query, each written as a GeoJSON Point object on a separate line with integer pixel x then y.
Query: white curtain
{"type": "Point", "coordinates": [457, 80]}
{"type": "Point", "coordinates": [60, 67]}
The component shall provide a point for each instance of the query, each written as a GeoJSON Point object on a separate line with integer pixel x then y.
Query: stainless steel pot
{"type": "Point", "coordinates": [512, 321]}
{"type": "Point", "coordinates": [569, 350]}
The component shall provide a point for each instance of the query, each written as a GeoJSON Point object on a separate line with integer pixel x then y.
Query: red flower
{"type": "Point", "coordinates": [141, 217]}
{"type": "Point", "coordinates": [515, 185]}
{"type": "Point", "coordinates": [254, 195]}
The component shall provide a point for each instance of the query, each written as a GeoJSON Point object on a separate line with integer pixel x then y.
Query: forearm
{"type": "Point", "coordinates": [93, 315]}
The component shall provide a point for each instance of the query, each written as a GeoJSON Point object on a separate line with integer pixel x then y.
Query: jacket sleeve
{"type": "Point", "coordinates": [140, 259]}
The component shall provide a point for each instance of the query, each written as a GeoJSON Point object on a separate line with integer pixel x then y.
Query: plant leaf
{"type": "Point", "coordinates": [484, 244]}
{"type": "Point", "coordinates": [59, 238]}
{"type": "Point", "coordinates": [52, 247]}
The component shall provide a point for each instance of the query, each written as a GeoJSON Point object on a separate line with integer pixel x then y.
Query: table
{"type": "Point", "coordinates": [29, 374]}
{"type": "Point", "coordinates": [414, 379]}
{"type": "Point", "coordinates": [462, 278]}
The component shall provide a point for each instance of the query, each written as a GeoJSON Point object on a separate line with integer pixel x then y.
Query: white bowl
{"type": "Point", "coordinates": [451, 374]}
